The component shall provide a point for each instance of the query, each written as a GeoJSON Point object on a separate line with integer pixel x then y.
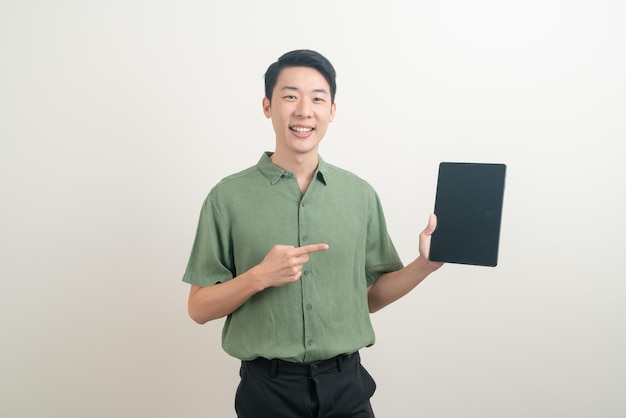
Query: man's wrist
{"type": "Point", "coordinates": [255, 279]}
{"type": "Point", "coordinates": [427, 266]}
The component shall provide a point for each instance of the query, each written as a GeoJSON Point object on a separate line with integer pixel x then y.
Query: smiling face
{"type": "Point", "coordinates": [301, 109]}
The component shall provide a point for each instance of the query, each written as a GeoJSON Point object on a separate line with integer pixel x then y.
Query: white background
{"type": "Point", "coordinates": [117, 117]}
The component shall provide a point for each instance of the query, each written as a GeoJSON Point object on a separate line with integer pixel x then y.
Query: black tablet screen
{"type": "Point", "coordinates": [468, 206]}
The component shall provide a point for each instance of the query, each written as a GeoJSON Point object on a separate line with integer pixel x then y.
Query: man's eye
{"type": "Point", "coordinates": [318, 99]}
{"type": "Point", "coordinates": [290, 97]}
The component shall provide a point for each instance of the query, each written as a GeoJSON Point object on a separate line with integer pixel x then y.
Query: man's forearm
{"type": "Point", "coordinates": [216, 301]}
{"type": "Point", "coordinates": [392, 286]}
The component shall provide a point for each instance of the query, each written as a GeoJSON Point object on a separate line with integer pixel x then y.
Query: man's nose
{"type": "Point", "coordinates": [304, 109]}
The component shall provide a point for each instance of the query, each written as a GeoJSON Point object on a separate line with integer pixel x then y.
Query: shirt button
{"type": "Point", "coordinates": [310, 342]}
{"type": "Point", "coordinates": [305, 238]}
{"type": "Point", "coordinates": [309, 307]}
{"type": "Point", "coordinates": [306, 272]}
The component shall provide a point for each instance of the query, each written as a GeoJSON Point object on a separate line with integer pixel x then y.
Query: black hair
{"type": "Point", "coordinates": [300, 58]}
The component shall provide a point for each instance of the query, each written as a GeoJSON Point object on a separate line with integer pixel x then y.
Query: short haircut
{"type": "Point", "coordinates": [300, 58]}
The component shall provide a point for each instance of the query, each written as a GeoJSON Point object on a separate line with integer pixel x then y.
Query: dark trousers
{"type": "Point", "coordinates": [339, 387]}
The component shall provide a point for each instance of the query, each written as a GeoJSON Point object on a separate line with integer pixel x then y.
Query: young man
{"type": "Point", "coordinates": [295, 253]}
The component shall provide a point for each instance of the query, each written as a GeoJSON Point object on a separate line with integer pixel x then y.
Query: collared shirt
{"type": "Point", "coordinates": [323, 314]}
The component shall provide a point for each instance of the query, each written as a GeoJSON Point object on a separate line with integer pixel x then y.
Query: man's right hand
{"type": "Point", "coordinates": [283, 264]}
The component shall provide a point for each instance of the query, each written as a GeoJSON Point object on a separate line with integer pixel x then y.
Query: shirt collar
{"type": "Point", "coordinates": [274, 173]}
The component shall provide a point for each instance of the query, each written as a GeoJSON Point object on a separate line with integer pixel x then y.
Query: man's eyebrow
{"type": "Point", "coordinates": [292, 88]}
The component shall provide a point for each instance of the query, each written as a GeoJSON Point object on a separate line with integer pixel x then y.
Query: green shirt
{"type": "Point", "coordinates": [323, 314]}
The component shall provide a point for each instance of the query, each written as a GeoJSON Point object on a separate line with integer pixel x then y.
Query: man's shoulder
{"type": "Point", "coordinates": [336, 173]}
{"type": "Point", "coordinates": [237, 182]}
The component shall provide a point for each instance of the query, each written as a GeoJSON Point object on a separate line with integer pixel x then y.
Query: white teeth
{"type": "Point", "coordinates": [300, 129]}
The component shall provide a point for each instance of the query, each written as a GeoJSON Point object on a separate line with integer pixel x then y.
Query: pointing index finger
{"type": "Point", "coordinates": [313, 248]}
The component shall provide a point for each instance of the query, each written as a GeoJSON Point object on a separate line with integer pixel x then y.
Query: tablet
{"type": "Point", "coordinates": [468, 205]}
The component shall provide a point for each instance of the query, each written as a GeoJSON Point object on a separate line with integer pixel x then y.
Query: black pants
{"type": "Point", "coordinates": [339, 387]}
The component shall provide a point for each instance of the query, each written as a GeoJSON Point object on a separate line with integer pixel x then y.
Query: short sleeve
{"type": "Point", "coordinates": [381, 255]}
{"type": "Point", "coordinates": [211, 259]}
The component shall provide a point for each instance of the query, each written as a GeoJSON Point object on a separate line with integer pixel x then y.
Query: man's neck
{"type": "Point", "coordinates": [299, 164]}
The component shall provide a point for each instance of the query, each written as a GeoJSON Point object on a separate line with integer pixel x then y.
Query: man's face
{"type": "Point", "coordinates": [300, 110]}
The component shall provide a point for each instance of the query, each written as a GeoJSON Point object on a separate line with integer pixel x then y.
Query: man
{"type": "Point", "coordinates": [295, 253]}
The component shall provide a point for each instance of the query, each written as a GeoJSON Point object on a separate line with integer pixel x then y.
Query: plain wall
{"type": "Point", "coordinates": [117, 117]}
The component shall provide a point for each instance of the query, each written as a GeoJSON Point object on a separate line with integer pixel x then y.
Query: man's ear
{"type": "Point", "coordinates": [333, 108]}
{"type": "Point", "coordinates": [267, 107]}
